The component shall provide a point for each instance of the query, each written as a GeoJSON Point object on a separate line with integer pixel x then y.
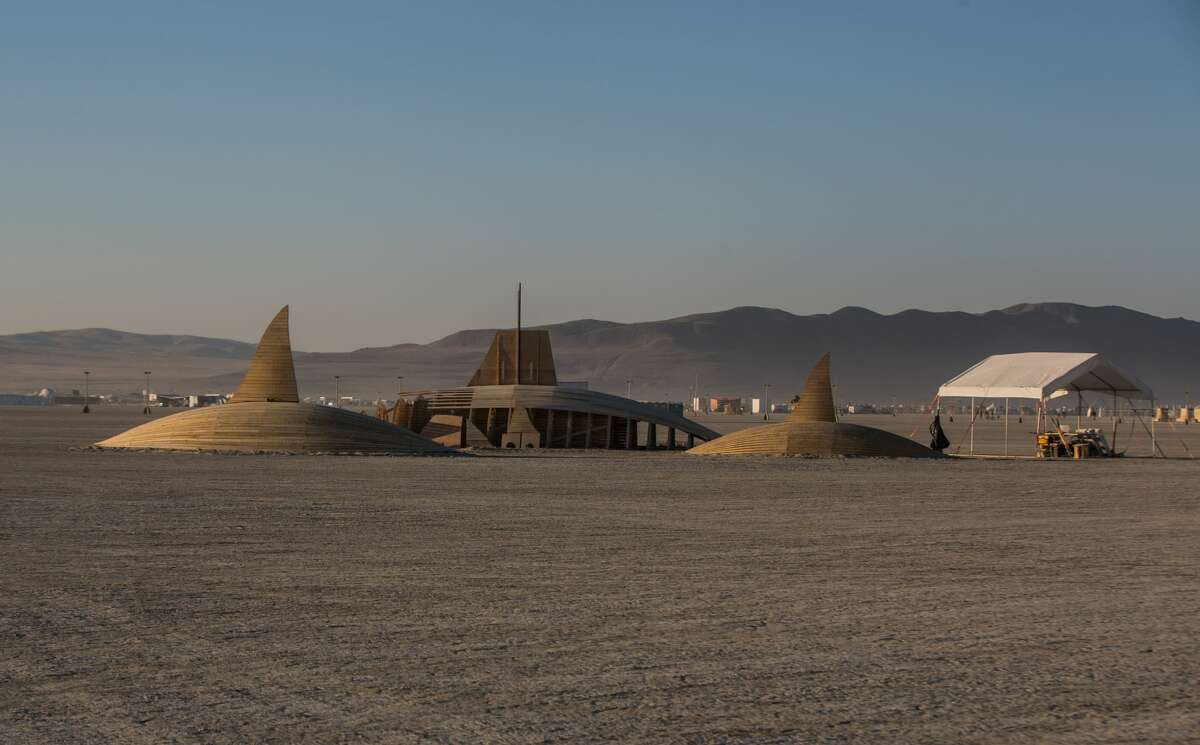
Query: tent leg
{"type": "Point", "coordinates": [1078, 409]}
{"type": "Point", "coordinates": [1006, 426]}
{"type": "Point", "coordinates": [1113, 445]}
{"type": "Point", "coordinates": [972, 425]}
{"type": "Point", "coordinates": [1153, 436]}
{"type": "Point", "coordinates": [1040, 426]}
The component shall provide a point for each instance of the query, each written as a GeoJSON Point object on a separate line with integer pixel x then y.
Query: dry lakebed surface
{"type": "Point", "coordinates": [575, 597]}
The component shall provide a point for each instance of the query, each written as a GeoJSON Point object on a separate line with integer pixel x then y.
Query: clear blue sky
{"type": "Point", "coordinates": [392, 169]}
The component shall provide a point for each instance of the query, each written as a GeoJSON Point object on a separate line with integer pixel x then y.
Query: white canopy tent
{"type": "Point", "coordinates": [1042, 376]}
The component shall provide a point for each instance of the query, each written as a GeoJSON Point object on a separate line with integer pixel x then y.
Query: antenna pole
{"type": "Point", "coordinates": [518, 379]}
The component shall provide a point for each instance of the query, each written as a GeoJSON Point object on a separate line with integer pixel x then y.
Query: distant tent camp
{"type": "Point", "coordinates": [1042, 376]}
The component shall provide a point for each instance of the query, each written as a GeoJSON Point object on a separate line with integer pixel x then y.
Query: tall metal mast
{"type": "Point", "coordinates": [518, 379]}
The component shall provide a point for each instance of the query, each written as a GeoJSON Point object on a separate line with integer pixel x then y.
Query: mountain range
{"type": "Point", "coordinates": [876, 357]}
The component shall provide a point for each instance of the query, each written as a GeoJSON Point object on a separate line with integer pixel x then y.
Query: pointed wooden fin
{"type": "Point", "coordinates": [816, 402]}
{"type": "Point", "coordinates": [272, 375]}
{"type": "Point", "coordinates": [499, 366]}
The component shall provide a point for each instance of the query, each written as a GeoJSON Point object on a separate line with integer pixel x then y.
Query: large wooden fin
{"type": "Point", "coordinates": [272, 374]}
{"type": "Point", "coordinates": [816, 401]}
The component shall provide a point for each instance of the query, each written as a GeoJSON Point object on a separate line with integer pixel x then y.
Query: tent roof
{"type": "Point", "coordinates": [1041, 375]}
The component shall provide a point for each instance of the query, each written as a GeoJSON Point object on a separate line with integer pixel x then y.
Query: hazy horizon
{"type": "Point", "coordinates": [391, 171]}
{"type": "Point", "coordinates": [501, 323]}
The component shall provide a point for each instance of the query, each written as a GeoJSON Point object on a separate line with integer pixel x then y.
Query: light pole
{"type": "Point", "coordinates": [337, 391]}
{"type": "Point", "coordinates": [628, 387]}
{"type": "Point", "coordinates": [86, 375]}
{"type": "Point", "coordinates": [146, 395]}
{"type": "Point", "coordinates": [766, 406]}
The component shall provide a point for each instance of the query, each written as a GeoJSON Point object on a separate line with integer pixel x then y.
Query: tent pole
{"type": "Point", "coordinates": [1041, 413]}
{"type": "Point", "coordinates": [1113, 446]}
{"type": "Point", "coordinates": [1153, 436]}
{"type": "Point", "coordinates": [972, 425]}
{"type": "Point", "coordinates": [1006, 426]}
{"type": "Point", "coordinates": [1078, 409]}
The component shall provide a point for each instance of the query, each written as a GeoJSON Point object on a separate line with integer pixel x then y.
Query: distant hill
{"type": "Point", "coordinates": [56, 359]}
{"type": "Point", "coordinates": [875, 357]}
{"type": "Point", "coordinates": [110, 342]}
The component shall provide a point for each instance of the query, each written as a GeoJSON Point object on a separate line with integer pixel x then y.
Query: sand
{"type": "Point", "coordinates": [598, 597]}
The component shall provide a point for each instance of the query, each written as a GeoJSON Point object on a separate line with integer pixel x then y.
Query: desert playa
{"type": "Point", "coordinates": [603, 596]}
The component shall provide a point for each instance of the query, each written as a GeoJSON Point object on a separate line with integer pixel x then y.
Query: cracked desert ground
{"type": "Point", "coordinates": [589, 597]}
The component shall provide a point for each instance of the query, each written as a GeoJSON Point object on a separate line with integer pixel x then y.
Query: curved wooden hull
{"type": "Point", "coordinates": [263, 426]}
{"type": "Point", "coordinates": [574, 410]}
{"type": "Point", "coordinates": [821, 439]}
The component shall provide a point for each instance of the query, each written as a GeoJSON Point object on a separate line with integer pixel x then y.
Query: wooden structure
{"type": "Point", "coordinates": [272, 376]}
{"type": "Point", "coordinates": [526, 350]}
{"type": "Point", "coordinates": [816, 400]}
{"type": "Point", "coordinates": [455, 432]}
{"type": "Point", "coordinates": [262, 426]}
{"type": "Point", "coordinates": [520, 432]}
{"type": "Point", "coordinates": [265, 415]}
{"type": "Point", "coordinates": [538, 413]}
{"type": "Point", "coordinates": [812, 429]}
{"type": "Point", "coordinates": [514, 401]}
{"type": "Point", "coordinates": [412, 415]}
{"type": "Point", "coordinates": [565, 418]}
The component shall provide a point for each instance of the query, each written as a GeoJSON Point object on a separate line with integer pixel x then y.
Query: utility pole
{"type": "Point", "coordinates": [628, 387]}
{"type": "Point", "coordinates": [765, 406]}
{"type": "Point", "coordinates": [86, 374]}
{"type": "Point", "coordinates": [146, 395]}
{"type": "Point", "coordinates": [399, 387]}
{"type": "Point", "coordinates": [337, 391]}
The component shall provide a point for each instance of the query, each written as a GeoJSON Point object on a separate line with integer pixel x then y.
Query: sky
{"type": "Point", "coordinates": [393, 169]}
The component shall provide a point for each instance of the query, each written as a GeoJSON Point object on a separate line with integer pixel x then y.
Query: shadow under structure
{"type": "Point", "coordinates": [265, 415]}
{"type": "Point", "coordinates": [812, 429]}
